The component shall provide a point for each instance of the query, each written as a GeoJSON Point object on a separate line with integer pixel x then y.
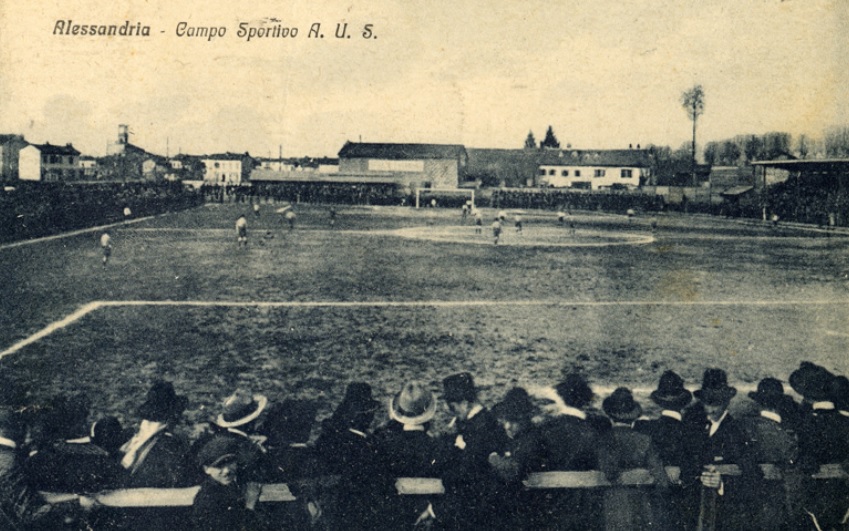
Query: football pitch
{"type": "Point", "coordinates": [387, 294]}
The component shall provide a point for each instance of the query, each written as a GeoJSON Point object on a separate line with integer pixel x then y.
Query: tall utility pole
{"type": "Point", "coordinates": [693, 101]}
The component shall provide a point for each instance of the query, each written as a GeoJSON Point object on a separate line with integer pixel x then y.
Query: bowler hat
{"type": "Point", "coordinates": [621, 406]}
{"type": "Point", "coordinates": [162, 403]}
{"type": "Point", "coordinates": [240, 408]}
{"type": "Point", "coordinates": [812, 381]}
{"type": "Point", "coordinates": [459, 387]}
{"type": "Point", "coordinates": [414, 404]}
{"type": "Point", "coordinates": [715, 389]}
{"type": "Point", "coordinates": [575, 391]}
{"type": "Point", "coordinates": [670, 392]}
{"type": "Point", "coordinates": [770, 393]}
{"type": "Point", "coordinates": [515, 407]}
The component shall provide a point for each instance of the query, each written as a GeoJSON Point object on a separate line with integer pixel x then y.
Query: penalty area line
{"type": "Point", "coordinates": [52, 327]}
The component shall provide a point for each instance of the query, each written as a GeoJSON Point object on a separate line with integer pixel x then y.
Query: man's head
{"type": "Point", "coordinates": [459, 393]}
{"type": "Point", "coordinates": [715, 394]}
{"type": "Point", "coordinates": [218, 460]}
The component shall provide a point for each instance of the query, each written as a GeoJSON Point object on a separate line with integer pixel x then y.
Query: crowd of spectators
{"type": "Point", "coordinates": [548, 199]}
{"type": "Point", "coordinates": [306, 192]}
{"type": "Point", "coordinates": [809, 201]}
{"type": "Point", "coordinates": [350, 475]}
{"type": "Point", "coordinates": [31, 210]}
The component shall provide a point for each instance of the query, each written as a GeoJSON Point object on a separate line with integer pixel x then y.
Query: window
{"type": "Point", "coordinates": [552, 172]}
{"type": "Point", "coordinates": [564, 173]}
{"type": "Point", "coordinates": [542, 171]}
{"type": "Point", "coordinates": [626, 174]}
{"type": "Point", "coordinates": [577, 173]}
{"type": "Point", "coordinates": [598, 173]}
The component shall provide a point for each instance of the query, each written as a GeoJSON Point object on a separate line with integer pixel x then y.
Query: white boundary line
{"type": "Point", "coordinates": [52, 327]}
{"type": "Point", "coordinates": [94, 305]}
{"type": "Point", "coordinates": [77, 232]}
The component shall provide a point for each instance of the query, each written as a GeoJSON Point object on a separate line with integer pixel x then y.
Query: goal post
{"type": "Point", "coordinates": [425, 195]}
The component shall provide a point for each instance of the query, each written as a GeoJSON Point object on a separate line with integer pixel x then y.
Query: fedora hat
{"type": "Point", "coordinates": [162, 402]}
{"type": "Point", "coordinates": [812, 381]}
{"type": "Point", "coordinates": [414, 404]}
{"type": "Point", "coordinates": [575, 391]}
{"type": "Point", "coordinates": [240, 408]}
{"type": "Point", "coordinates": [515, 407]}
{"type": "Point", "coordinates": [670, 392]}
{"type": "Point", "coordinates": [621, 406]}
{"type": "Point", "coordinates": [459, 387]}
{"type": "Point", "coordinates": [715, 389]}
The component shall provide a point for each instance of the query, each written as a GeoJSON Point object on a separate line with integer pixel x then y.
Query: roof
{"type": "Point", "coordinates": [360, 150]}
{"type": "Point", "coordinates": [225, 156]}
{"type": "Point", "coordinates": [7, 138]}
{"type": "Point", "coordinates": [819, 165]}
{"type": "Point", "coordinates": [50, 149]}
{"type": "Point", "coordinates": [639, 158]}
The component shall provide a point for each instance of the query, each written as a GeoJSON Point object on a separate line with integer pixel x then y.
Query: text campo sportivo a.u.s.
{"type": "Point", "coordinates": [246, 31]}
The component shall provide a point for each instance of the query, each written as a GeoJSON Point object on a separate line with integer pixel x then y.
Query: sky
{"type": "Point", "coordinates": [603, 74]}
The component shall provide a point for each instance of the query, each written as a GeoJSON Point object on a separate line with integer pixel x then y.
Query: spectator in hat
{"type": "Point", "coordinates": [570, 439]}
{"type": "Point", "coordinates": [719, 440]}
{"type": "Point", "coordinates": [155, 456]}
{"type": "Point", "coordinates": [668, 432]}
{"type": "Point", "coordinates": [291, 460]}
{"type": "Point", "coordinates": [622, 448]}
{"type": "Point", "coordinates": [673, 439]}
{"type": "Point", "coordinates": [220, 503]}
{"type": "Point", "coordinates": [406, 450]}
{"type": "Point", "coordinates": [468, 479]}
{"type": "Point", "coordinates": [346, 448]}
{"type": "Point", "coordinates": [238, 421]}
{"type": "Point", "coordinates": [823, 439]}
{"type": "Point", "coordinates": [772, 441]}
{"type": "Point", "coordinates": [21, 506]}
{"type": "Point", "coordinates": [66, 462]}
{"type": "Point", "coordinates": [521, 455]}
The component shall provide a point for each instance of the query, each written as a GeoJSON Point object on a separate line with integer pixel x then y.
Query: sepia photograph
{"type": "Point", "coordinates": [577, 265]}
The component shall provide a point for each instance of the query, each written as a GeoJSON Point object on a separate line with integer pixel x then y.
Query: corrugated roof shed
{"type": "Point", "coordinates": [363, 150]}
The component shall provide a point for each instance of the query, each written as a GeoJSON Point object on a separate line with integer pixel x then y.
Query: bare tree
{"type": "Point", "coordinates": [693, 101]}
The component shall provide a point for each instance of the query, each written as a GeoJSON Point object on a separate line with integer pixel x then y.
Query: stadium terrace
{"type": "Point", "coordinates": [67, 27]}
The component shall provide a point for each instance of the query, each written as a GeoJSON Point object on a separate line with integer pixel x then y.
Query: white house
{"type": "Point", "coordinates": [223, 169]}
{"type": "Point", "coordinates": [46, 162]}
{"type": "Point", "coordinates": [594, 169]}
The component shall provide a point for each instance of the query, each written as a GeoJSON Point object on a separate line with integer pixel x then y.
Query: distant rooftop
{"type": "Point", "coordinates": [361, 150]}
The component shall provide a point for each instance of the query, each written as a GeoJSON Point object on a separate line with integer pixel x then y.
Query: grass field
{"type": "Point", "coordinates": [389, 293]}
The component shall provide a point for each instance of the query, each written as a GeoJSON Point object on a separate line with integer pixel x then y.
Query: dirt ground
{"type": "Point", "coordinates": [615, 300]}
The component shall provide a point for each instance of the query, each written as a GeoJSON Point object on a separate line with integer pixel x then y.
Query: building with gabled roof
{"type": "Point", "coordinates": [49, 163]}
{"type": "Point", "coordinates": [412, 165]}
{"type": "Point", "coordinates": [594, 168]}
